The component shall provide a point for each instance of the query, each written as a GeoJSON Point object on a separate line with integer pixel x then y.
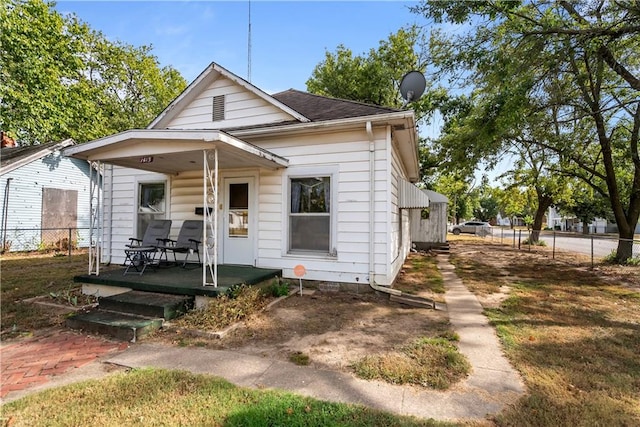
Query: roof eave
{"type": "Point", "coordinates": [37, 155]}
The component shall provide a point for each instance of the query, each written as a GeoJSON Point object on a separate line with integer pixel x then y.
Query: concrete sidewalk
{"type": "Point", "coordinates": [492, 385]}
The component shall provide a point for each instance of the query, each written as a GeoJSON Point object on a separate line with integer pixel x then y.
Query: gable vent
{"type": "Point", "coordinates": [218, 108]}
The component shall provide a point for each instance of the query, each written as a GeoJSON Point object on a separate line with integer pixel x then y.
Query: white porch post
{"type": "Point", "coordinates": [210, 196]}
{"type": "Point", "coordinates": [94, 218]}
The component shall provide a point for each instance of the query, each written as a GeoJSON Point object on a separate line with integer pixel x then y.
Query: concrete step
{"type": "Point", "coordinates": [149, 304]}
{"type": "Point", "coordinates": [413, 301]}
{"type": "Point", "coordinates": [121, 326]}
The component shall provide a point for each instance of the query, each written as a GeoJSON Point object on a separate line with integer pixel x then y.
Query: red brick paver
{"type": "Point", "coordinates": [35, 360]}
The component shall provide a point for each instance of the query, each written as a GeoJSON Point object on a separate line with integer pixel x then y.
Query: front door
{"type": "Point", "coordinates": [238, 224]}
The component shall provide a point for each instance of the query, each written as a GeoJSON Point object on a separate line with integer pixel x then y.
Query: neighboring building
{"type": "Point", "coordinates": [44, 194]}
{"type": "Point", "coordinates": [429, 225]}
{"type": "Point", "coordinates": [303, 179]}
{"type": "Point", "coordinates": [564, 223]}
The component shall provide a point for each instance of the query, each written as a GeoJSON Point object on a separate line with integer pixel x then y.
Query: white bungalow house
{"type": "Point", "coordinates": [46, 198]}
{"type": "Point", "coordinates": [284, 180]}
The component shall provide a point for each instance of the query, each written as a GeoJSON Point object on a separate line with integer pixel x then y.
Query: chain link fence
{"type": "Point", "coordinates": [60, 240]}
{"type": "Point", "coordinates": [590, 248]}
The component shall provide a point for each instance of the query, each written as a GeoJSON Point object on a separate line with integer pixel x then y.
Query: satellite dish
{"type": "Point", "coordinates": [412, 86]}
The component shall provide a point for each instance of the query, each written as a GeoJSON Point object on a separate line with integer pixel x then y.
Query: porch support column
{"type": "Point", "coordinates": [210, 196]}
{"type": "Point", "coordinates": [95, 214]}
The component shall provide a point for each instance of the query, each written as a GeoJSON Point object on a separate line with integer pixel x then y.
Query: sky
{"type": "Point", "coordinates": [288, 38]}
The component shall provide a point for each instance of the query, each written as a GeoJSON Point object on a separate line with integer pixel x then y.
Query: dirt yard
{"type": "Point", "coordinates": [334, 329]}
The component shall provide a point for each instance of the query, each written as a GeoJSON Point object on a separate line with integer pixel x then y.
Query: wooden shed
{"type": "Point", "coordinates": [429, 226]}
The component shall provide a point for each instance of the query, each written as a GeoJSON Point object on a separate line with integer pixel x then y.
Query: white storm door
{"type": "Point", "coordinates": [239, 221]}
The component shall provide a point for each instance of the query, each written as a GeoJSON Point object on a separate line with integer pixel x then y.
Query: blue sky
{"type": "Point", "coordinates": [289, 38]}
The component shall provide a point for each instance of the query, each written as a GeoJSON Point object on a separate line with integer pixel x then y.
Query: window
{"type": "Point", "coordinates": [151, 204]}
{"type": "Point", "coordinates": [218, 108]}
{"type": "Point", "coordinates": [239, 210]}
{"type": "Point", "coordinates": [310, 214]}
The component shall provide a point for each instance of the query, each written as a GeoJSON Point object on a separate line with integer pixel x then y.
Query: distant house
{"type": "Point", "coordinates": [560, 222]}
{"type": "Point", "coordinates": [44, 196]}
{"type": "Point", "coordinates": [279, 180]}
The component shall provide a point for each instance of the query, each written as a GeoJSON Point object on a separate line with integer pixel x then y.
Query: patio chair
{"type": "Point", "coordinates": [140, 253]}
{"type": "Point", "coordinates": [188, 241]}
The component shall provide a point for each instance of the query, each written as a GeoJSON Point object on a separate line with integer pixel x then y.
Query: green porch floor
{"type": "Point", "coordinates": [179, 281]}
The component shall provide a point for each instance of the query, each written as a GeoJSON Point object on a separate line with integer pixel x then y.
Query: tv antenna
{"type": "Point", "coordinates": [249, 47]}
{"type": "Point", "coordinates": [412, 86]}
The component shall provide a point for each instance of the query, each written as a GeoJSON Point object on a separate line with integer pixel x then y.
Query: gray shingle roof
{"type": "Point", "coordinates": [319, 108]}
{"type": "Point", "coordinates": [11, 155]}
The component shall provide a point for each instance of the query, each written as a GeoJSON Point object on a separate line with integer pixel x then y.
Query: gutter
{"type": "Point", "coordinates": [399, 117]}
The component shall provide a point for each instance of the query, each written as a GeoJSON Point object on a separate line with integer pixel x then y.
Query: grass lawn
{"type": "Point", "coordinates": [573, 333]}
{"type": "Point", "coordinates": [31, 276]}
{"type": "Point", "coordinates": [150, 397]}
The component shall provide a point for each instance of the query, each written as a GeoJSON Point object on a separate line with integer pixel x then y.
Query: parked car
{"type": "Point", "coordinates": [472, 227]}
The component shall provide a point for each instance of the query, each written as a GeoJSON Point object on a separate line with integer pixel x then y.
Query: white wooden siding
{"type": "Point", "coordinates": [400, 226]}
{"type": "Point", "coordinates": [24, 204]}
{"type": "Point", "coordinates": [120, 205]}
{"type": "Point", "coordinates": [242, 108]}
{"type": "Point", "coordinates": [350, 151]}
{"type": "Point", "coordinates": [346, 152]}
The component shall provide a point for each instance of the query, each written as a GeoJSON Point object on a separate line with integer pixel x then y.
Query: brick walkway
{"type": "Point", "coordinates": [34, 361]}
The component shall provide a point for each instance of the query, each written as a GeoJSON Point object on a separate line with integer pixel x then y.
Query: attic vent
{"type": "Point", "coordinates": [218, 108]}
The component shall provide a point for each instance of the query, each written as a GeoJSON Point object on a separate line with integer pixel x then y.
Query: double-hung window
{"type": "Point", "coordinates": [310, 221]}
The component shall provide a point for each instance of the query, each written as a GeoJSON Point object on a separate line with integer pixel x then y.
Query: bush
{"type": "Point", "coordinates": [278, 289]}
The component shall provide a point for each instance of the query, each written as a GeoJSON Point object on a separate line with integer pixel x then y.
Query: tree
{"type": "Point", "coordinates": [581, 60]}
{"type": "Point", "coordinates": [59, 79]}
{"type": "Point", "coordinates": [487, 207]}
{"type": "Point", "coordinates": [375, 78]}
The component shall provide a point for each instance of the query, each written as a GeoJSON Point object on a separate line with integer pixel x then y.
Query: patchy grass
{"type": "Point", "coordinates": [32, 276]}
{"type": "Point", "coordinates": [176, 398]}
{"type": "Point", "coordinates": [427, 362]}
{"type": "Point", "coordinates": [299, 358]}
{"type": "Point", "coordinates": [420, 276]}
{"type": "Point", "coordinates": [572, 332]}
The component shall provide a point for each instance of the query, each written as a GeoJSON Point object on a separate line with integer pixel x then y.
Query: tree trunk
{"type": "Point", "coordinates": [625, 248]}
{"type": "Point", "coordinates": [585, 227]}
{"type": "Point", "coordinates": [544, 202]}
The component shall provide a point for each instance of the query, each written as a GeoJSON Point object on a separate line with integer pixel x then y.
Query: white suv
{"type": "Point", "coordinates": [473, 227]}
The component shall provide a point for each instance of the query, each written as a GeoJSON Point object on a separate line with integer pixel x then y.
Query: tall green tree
{"type": "Point", "coordinates": [375, 76]}
{"type": "Point", "coordinates": [60, 79]}
{"type": "Point", "coordinates": [578, 58]}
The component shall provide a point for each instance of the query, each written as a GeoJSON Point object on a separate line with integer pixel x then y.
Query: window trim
{"type": "Point", "coordinates": [330, 171]}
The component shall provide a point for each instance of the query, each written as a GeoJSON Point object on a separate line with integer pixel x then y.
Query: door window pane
{"type": "Point", "coordinates": [151, 205]}
{"type": "Point", "coordinates": [239, 210]}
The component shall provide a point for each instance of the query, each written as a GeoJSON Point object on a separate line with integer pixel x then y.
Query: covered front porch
{"type": "Point", "coordinates": [174, 280]}
{"type": "Point", "coordinates": [174, 153]}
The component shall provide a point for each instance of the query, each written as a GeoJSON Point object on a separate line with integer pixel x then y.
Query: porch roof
{"type": "Point", "coordinates": [171, 151]}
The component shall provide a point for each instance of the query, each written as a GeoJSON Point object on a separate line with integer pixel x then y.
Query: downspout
{"type": "Point", "coordinates": [372, 229]}
{"type": "Point", "coordinates": [5, 214]}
